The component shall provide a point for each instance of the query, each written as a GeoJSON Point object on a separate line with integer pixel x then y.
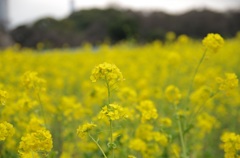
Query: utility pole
{"type": "Point", "coordinates": [3, 15]}
{"type": "Point", "coordinates": [5, 39]}
{"type": "Point", "coordinates": [72, 6]}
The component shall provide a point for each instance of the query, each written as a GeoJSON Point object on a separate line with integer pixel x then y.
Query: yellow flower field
{"type": "Point", "coordinates": [177, 99]}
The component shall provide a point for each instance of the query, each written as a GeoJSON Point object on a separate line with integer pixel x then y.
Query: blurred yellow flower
{"type": "Point", "coordinates": [84, 129]}
{"type": "Point", "coordinates": [31, 81]}
{"type": "Point", "coordinates": [173, 94]}
{"type": "Point", "coordinates": [148, 110]}
{"type": "Point", "coordinates": [213, 41]}
{"type": "Point", "coordinates": [6, 130]}
{"type": "Point", "coordinates": [230, 145]}
{"type": "Point", "coordinates": [137, 145]}
{"type": "Point", "coordinates": [3, 97]}
{"type": "Point", "coordinates": [230, 82]}
{"type": "Point", "coordinates": [38, 141]}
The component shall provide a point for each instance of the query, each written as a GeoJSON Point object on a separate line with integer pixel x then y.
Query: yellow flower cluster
{"type": "Point", "coordinates": [31, 81]}
{"type": "Point", "coordinates": [84, 129]}
{"type": "Point", "coordinates": [35, 123]}
{"type": "Point", "coordinates": [148, 110]}
{"type": "Point", "coordinates": [6, 130]}
{"type": "Point", "coordinates": [131, 156]}
{"type": "Point", "coordinates": [205, 124]}
{"type": "Point", "coordinates": [174, 151]}
{"type": "Point", "coordinates": [173, 94]}
{"type": "Point", "coordinates": [166, 122]}
{"type": "Point", "coordinates": [153, 128]}
{"type": "Point", "coordinates": [113, 112]}
{"type": "Point", "coordinates": [161, 138]}
{"type": "Point", "coordinates": [107, 72]}
{"type": "Point", "coordinates": [213, 41]}
{"type": "Point", "coordinates": [147, 133]}
{"type": "Point", "coordinates": [3, 97]}
{"type": "Point", "coordinates": [230, 145]}
{"type": "Point", "coordinates": [137, 145]}
{"type": "Point", "coordinates": [38, 141]}
{"type": "Point", "coordinates": [230, 82]}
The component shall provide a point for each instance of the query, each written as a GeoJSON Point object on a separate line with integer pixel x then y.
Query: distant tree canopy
{"type": "Point", "coordinates": [98, 25]}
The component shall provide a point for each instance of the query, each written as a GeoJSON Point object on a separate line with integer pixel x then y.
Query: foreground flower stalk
{"type": "Point", "coordinates": [211, 42]}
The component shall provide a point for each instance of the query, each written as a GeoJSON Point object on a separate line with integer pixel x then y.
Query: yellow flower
{"type": "Point", "coordinates": [148, 110]}
{"type": "Point", "coordinates": [3, 97]}
{"type": "Point", "coordinates": [137, 145]}
{"type": "Point", "coordinates": [84, 129]}
{"type": "Point", "coordinates": [145, 132]}
{"type": "Point", "coordinates": [113, 112]}
{"type": "Point", "coordinates": [174, 151]}
{"type": "Point", "coordinates": [205, 123]}
{"type": "Point", "coordinates": [173, 94]}
{"type": "Point", "coordinates": [213, 42]}
{"type": "Point", "coordinates": [30, 155]}
{"type": "Point", "coordinates": [39, 141]}
{"type": "Point", "coordinates": [32, 82]}
{"type": "Point", "coordinates": [35, 124]}
{"type": "Point", "coordinates": [161, 138]}
{"type": "Point", "coordinates": [131, 156]}
{"type": "Point", "coordinates": [107, 72]}
{"type": "Point", "coordinates": [229, 83]}
{"type": "Point", "coordinates": [231, 144]}
{"type": "Point", "coordinates": [166, 122]}
{"type": "Point", "coordinates": [6, 130]}
{"type": "Point", "coordinates": [170, 36]}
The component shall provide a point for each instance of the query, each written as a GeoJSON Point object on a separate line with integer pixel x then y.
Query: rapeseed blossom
{"type": "Point", "coordinates": [173, 94]}
{"type": "Point", "coordinates": [3, 97]}
{"type": "Point", "coordinates": [213, 42]}
{"type": "Point", "coordinates": [230, 82]}
{"type": "Point", "coordinates": [110, 73]}
{"type": "Point", "coordinates": [6, 130]}
{"type": "Point", "coordinates": [72, 99]}
{"type": "Point", "coordinates": [38, 141]}
{"type": "Point", "coordinates": [113, 112]}
{"type": "Point", "coordinates": [165, 122]}
{"type": "Point", "coordinates": [31, 81]}
{"type": "Point", "coordinates": [138, 145]}
{"type": "Point", "coordinates": [35, 124]}
{"type": "Point", "coordinates": [230, 145]}
{"type": "Point", "coordinates": [84, 129]}
{"type": "Point", "coordinates": [161, 138]}
{"type": "Point", "coordinates": [148, 110]}
{"type": "Point", "coordinates": [131, 156]}
{"type": "Point", "coordinates": [205, 124]}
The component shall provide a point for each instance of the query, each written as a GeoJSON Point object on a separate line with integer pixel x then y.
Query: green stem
{"type": "Point", "coordinates": [109, 93]}
{"type": "Point", "coordinates": [42, 110]}
{"type": "Point", "coordinates": [96, 142]}
{"type": "Point", "coordinates": [32, 154]}
{"type": "Point", "coordinates": [194, 114]}
{"type": "Point", "coordinates": [195, 73]}
{"type": "Point", "coordinates": [183, 144]}
{"type": "Point", "coordinates": [110, 121]}
{"type": "Point", "coordinates": [111, 130]}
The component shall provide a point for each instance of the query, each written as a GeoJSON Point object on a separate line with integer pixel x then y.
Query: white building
{"type": "Point", "coordinates": [3, 14]}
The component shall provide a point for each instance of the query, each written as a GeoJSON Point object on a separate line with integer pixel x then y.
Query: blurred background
{"type": "Point", "coordinates": [71, 23]}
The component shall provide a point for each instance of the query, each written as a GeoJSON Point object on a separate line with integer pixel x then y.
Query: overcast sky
{"type": "Point", "coordinates": [27, 11]}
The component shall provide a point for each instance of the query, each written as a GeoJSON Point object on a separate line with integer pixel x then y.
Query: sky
{"type": "Point", "coordinates": [27, 11]}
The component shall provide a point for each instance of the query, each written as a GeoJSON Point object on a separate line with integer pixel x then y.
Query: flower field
{"type": "Point", "coordinates": [177, 99]}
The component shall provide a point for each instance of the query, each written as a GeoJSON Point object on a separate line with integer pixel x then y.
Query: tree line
{"type": "Point", "coordinates": [114, 25]}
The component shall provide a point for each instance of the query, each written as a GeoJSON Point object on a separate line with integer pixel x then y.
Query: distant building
{"type": "Point", "coordinates": [3, 14]}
